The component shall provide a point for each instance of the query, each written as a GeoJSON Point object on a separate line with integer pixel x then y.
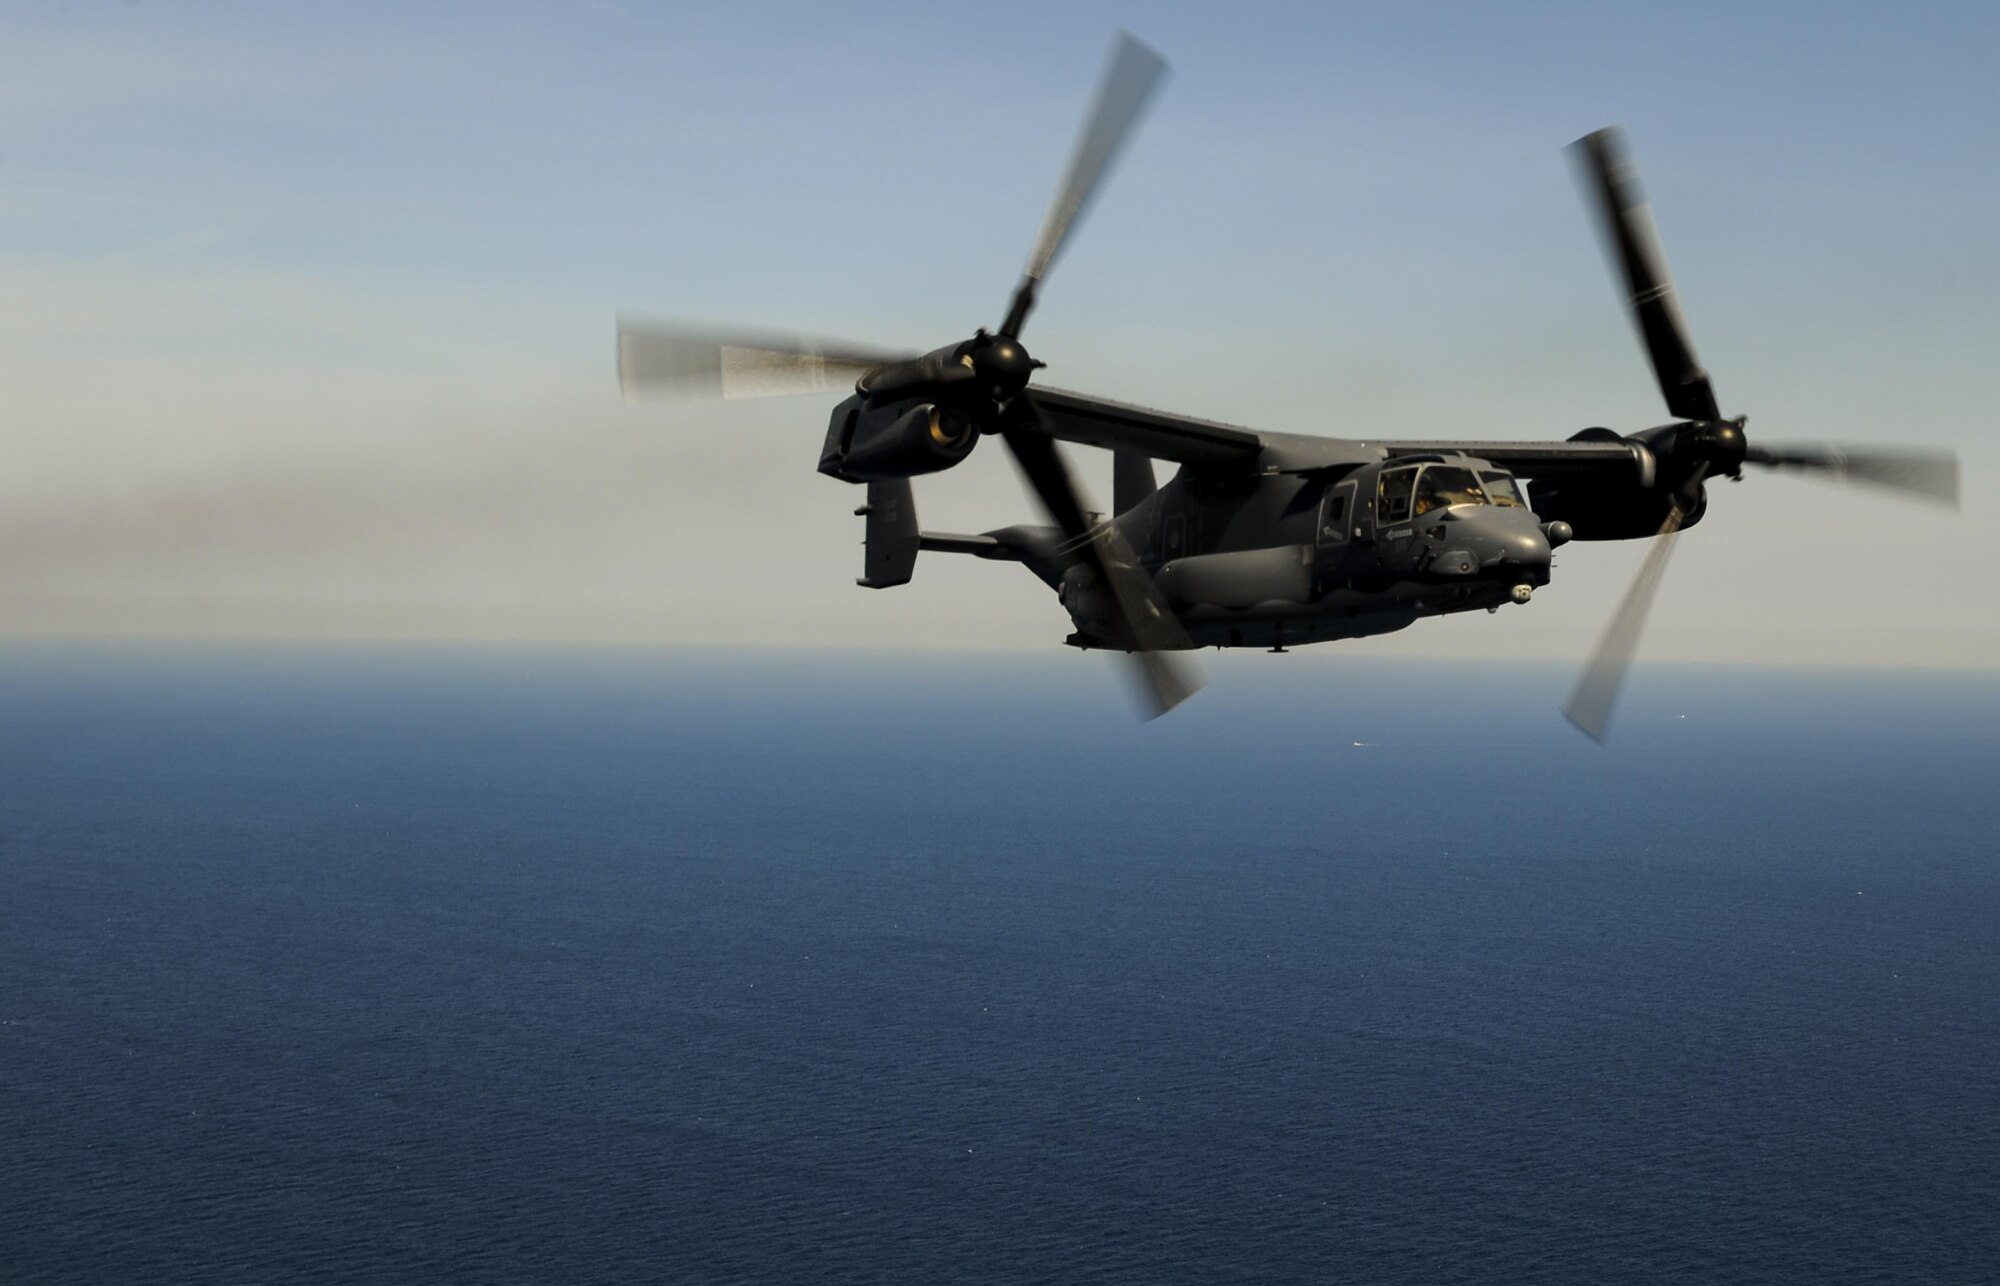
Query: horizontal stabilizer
{"type": "Point", "coordinates": [945, 542]}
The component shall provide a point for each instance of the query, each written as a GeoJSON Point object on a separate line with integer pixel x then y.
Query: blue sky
{"type": "Point", "coordinates": [309, 309]}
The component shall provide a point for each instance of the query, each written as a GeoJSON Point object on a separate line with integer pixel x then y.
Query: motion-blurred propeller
{"type": "Point", "coordinates": [677, 359]}
{"type": "Point", "coordinates": [985, 377]}
{"type": "Point", "coordinates": [1131, 78]}
{"type": "Point", "coordinates": [1152, 630]}
{"type": "Point", "coordinates": [1922, 475]}
{"type": "Point", "coordinates": [1596, 692]}
{"type": "Point", "coordinates": [1708, 444]}
{"type": "Point", "coordinates": [1625, 223]}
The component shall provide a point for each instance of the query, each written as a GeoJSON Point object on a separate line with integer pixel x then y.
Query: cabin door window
{"type": "Point", "coordinates": [1336, 515]}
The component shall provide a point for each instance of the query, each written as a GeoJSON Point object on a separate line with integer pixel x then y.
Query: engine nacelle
{"type": "Point", "coordinates": [898, 439]}
{"type": "Point", "coordinates": [1611, 508]}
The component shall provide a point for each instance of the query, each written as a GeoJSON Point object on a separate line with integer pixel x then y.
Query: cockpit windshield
{"type": "Point", "coordinates": [1500, 489]}
{"type": "Point", "coordinates": [1409, 490]}
{"type": "Point", "coordinates": [1440, 485]}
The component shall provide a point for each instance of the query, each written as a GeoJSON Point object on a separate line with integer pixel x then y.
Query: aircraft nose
{"type": "Point", "coordinates": [1515, 548]}
{"type": "Point", "coordinates": [1529, 548]}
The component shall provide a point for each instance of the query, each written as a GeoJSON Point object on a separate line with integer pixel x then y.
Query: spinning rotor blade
{"type": "Point", "coordinates": [665, 358]}
{"type": "Point", "coordinates": [1164, 681]}
{"type": "Point", "coordinates": [1596, 691]}
{"type": "Point", "coordinates": [1611, 185]}
{"type": "Point", "coordinates": [1924, 475]}
{"type": "Point", "coordinates": [1130, 79]}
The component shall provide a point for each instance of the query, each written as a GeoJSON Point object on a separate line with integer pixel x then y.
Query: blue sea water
{"type": "Point", "coordinates": [497, 965]}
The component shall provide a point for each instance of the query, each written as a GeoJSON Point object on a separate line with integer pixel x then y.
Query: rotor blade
{"type": "Point", "coordinates": [669, 358]}
{"type": "Point", "coordinates": [1596, 691]}
{"type": "Point", "coordinates": [1925, 475]}
{"type": "Point", "coordinates": [1130, 79]}
{"type": "Point", "coordinates": [1152, 625]}
{"type": "Point", "coordinates": [1163, 681]}
{"type": "Point", "coordinates": [1611, 186]}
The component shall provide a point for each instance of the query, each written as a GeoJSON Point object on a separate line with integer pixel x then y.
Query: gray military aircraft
{"type": "Point", "coordinates": [1264, 539]}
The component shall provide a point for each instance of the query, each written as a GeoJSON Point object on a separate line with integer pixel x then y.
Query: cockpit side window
{"type": "Point", "coordinates": [1445, 484]}
{"type": "Point", "coordinates": [1392, 496]}
{"type": "Point", "coordinates": [1500, 489]}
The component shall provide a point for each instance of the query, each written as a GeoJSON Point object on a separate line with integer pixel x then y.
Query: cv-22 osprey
{"type": "Point", "coordinates": [1264, 539]}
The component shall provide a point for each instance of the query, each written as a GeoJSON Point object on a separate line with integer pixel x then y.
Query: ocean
{"type": "Point", "coordinates": [491, 964]}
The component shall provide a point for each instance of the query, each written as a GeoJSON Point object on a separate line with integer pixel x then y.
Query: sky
{"type": "Point", "coordinates": [306, 312]}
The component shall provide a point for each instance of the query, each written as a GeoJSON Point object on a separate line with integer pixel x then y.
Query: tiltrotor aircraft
{"type": "Point", "coordinates": [1263, 539]}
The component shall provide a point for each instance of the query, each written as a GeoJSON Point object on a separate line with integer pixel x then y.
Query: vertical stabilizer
{"type": "Point", "coordinates": [891, 555]}
{"type": "Point", "coordinates": [1131, 480]}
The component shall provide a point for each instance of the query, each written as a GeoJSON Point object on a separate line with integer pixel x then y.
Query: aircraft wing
{"type": "Point", "coordinates": [1585, 466]}
{"type": "Point", "coordinates": [1604, 460]}
{"type": "Point", "coordinates": [1602, 487]}
{"type": "Point", "coordinates": [1572, 470]}
{"type": "Point", "coordinates": [1093, 421]}
{"type": "Point", "coordinates": [1162, 435]}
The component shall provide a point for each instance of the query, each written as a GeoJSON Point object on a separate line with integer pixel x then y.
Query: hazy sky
{"type": "Point", "coordinates": [306, 312]}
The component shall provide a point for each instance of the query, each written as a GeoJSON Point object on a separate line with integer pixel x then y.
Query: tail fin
{"type": "Point", "coordinates": [891, 555]}
{"type": "Point", "coordinates": [1131, 480]}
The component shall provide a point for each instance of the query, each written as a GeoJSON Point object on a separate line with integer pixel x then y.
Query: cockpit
{"type": "Point", "coordinates": [1408, 491]}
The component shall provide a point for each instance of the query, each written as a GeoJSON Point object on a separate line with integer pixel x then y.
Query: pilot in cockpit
{"type": "Point", "coordinates": [1442, 485]}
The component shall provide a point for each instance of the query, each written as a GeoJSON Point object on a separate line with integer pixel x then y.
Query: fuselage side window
{"type": "Point", "coordinates": [1392, 502]}
{"type": "Point", "coordinates": [1333, 516]}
